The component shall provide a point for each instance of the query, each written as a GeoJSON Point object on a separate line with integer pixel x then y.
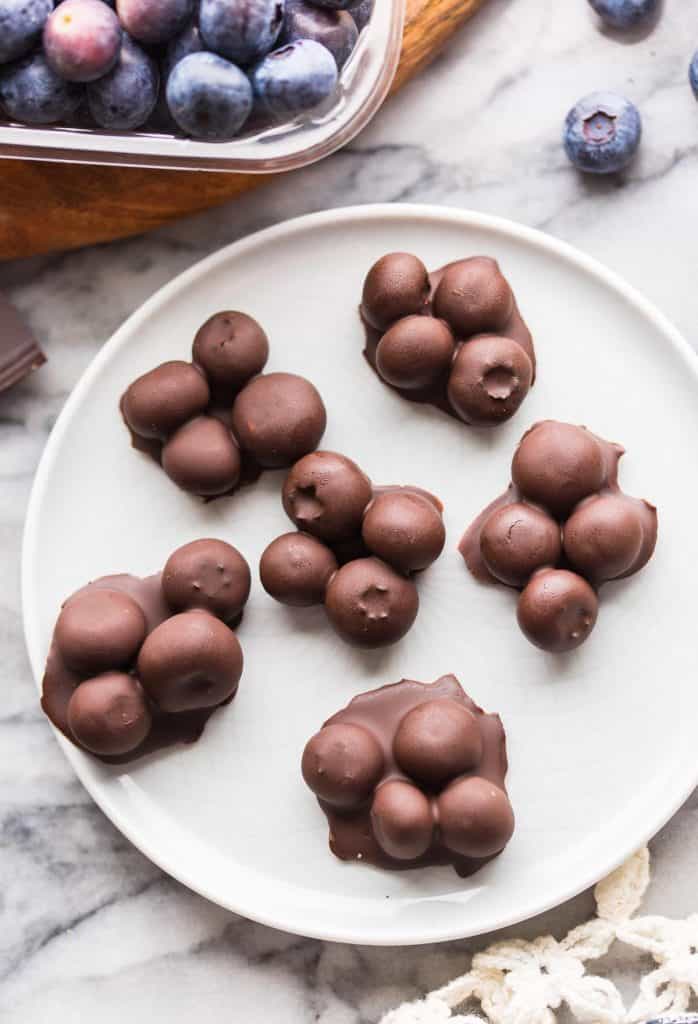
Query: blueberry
{"type": "Point", "coordinates": [188, 41]}
{"type": "Point", "coordinates": [693, 74]}
{"type": "Point", "coordinates": [361, 13]}
{"type": "Point", "coordinates": [336, 30]}
{"type": "Point", "coordinates": [602, 133]}
{"type": "Point", "coordinates": [295, 78]}
{"type": "Point", "coordinates": [153, 22]}
{"type": "Point", "coordinates": [33, 93]}
{"type": "Point", "coordinates": [21, 23]}
{"type": "Point", "coordinates": [625, 14]}
{"type": "Point", "coordinates": [126, 97]}
{"type": "Point", "coordinates": [208, 97]}
{"type": "Point", "coordinates": [82, 39]}
{"type": "Point", "coordinates": [241, 30]}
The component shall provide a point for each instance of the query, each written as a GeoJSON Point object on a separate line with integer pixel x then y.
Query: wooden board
{"type": "Point", "coordinates": [50, 206]}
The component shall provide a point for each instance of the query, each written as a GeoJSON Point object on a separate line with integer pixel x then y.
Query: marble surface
{"type": "Point", "coordinates": [89, 928]}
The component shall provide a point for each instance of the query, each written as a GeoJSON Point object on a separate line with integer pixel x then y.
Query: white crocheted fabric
{"type": "Point", "coordinates": [520, 982]}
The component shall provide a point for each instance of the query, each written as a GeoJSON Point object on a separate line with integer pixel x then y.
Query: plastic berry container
{"type": "Point", "coordinates": [363, 85]}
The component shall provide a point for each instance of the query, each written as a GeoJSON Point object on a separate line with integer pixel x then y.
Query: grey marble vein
{"type": "Point", "coordinates": [91, 930]}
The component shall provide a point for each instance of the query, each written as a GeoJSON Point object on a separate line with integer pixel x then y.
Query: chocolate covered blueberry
{"type": "Point", "coordinates": [404, 528]}
{"type": "Point", "coordinates": [202, 457]}
{"type": "Point", "coordinates": [326, 495]}
{"type": "Point", "coordinates": [296, 568]}
{"type": "Point", "coordinates": [160, 401]}
{"type": "Point", "coordinates": [192, 660]}
{"type": "Point", "coordinates": [231, 348]}
{"type": "Point", "coordinates": [139, 664]}
{"type": "Point", "coordinates": [208, 574]}
{"type": "Point", "coordinates": [278, 418]}
{"type": "Point", "coordinates": [369, 604]}
{"type": "Point", "coordinates": [396, 286]}
{"type": "Point", "coordinates": [412, 774]}
{"type": "Point", "coordinates": [454, 339]}
{"type": "Point", "coordinates": [561, 529]}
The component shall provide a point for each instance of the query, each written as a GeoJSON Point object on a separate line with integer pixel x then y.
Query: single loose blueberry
{"type": "Point", "coordinates": [361, 13]}
{"type": "Point", "coordinates": [336, 30]}
{"type": "Point", "coordinates": [693, 74]}
{"type": "Point", "coordinates": [242, 31]}
{"type": "Point", "coordinates": [188, 41]}
{"type": "Point", "coordinates": [209, 97]}
{"type": "Point", "coordinates": [602, 133]}
{"type": "Point", "coordinates": [294, 79]}
{"type": "Point", "coordinates": [21, 24]}
{"type": "Point", "coordinates": [32, 92]}
{"type": "Point", "coordinates": [152, 22]}
{"type": "Point", "coordinates": [125, 98]}
{"type": "Point", "coordinates": [82, 40]}
{"type": "Point", "coordinates": [625, 14]}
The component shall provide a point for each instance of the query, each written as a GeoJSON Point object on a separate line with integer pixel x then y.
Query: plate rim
{"type": "Point", "coordinates": [389, 934]}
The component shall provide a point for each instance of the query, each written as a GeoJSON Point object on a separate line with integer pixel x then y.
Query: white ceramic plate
{"type": "Point", "coordinates": [602, 742]}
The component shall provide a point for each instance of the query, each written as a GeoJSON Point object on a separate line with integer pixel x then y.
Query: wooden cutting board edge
{"type": "Point", "coordinates": [51, 206]}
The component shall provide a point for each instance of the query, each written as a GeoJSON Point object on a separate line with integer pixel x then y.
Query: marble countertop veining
{"type": "Point", "coordinates": [89, 929]}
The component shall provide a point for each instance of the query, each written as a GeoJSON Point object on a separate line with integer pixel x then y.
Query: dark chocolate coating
{"type": "Point", "coordinates": [415, 352]}
{"type": "Point", "coordinates": [342, 764]}
{"type": "Point", "coordinates": [402, 820]}
{"type": "Point", "coordinates": [517, 540]}
{"type": "Point", "coordinates": [603, 536]}
{"type": "Point", "coordinates": [379, 815]}
{"type": "Point", "coordinates": [230, 348]}
{"type": "Point", "coordinates": [109, 714]}
{"type": "Point", "coordinates": [207, 574]}
{"type": "Point", "coordinates": [557, 610]}
{"type": "Point", "coordinates": [397, 285]}
{"type": "Point", "coordinates": [369, 604]}
{"type": "Point", "coordinates": [473, 297]}
{"type": "Point", "coordinates": [325, 494]}
{"type": "Point", "coordinates": [99, 630]}
{"type": "Point", "coordinates": [558, 464]}
{"type": "Point", "coordinates": [436, 741]}
{"type": "Point", "coordinates": [490, 377]}
{"type": "Point", "coordinates": [296, 568]}
{"type": "Point", "coordinates": [278, 418]}
{"type": "Point", "coordinates": [160, 401]}
{"type": "Point", "coordinates": [405, 529]}
{"type": "Point", "coordinates": [202, 457]}
{"type": "Point", "coordinates": [191, 660]}
{"type": "Point", "coordinates": [475, 817]}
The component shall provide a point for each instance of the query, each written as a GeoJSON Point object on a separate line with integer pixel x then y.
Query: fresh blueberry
{"type": "Point", "coordinates": [208, 97]}
{"type": "Point", "coordinates": [126, 97]}
{"type": "Point", "coordinates": [21, 24]}
{"type": "Point", "coordinates": [32, 92]}
{"type": "Point", "coordinates": [693, 74]}
{"type": "Point", "coordinates": [241, 30]}
{"type": "Point", "coordinates": [294, 79]}
{"type": "Point", "coordinates": [152, 22]}
{"type": "Point", "coordinates": [361, 13]}
{"type": "Point", "coordinates": [82, 39]}
{"type": "Point", "coordinates": [188, 41]}
{"type": "Point", "coordinates": [336, 30]}
{"type": "Point", "coordinates": [602, 133]}
{"type": "Point", "coordinates": [625, 14]}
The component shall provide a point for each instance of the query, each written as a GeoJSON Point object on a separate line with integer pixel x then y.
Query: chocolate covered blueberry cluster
{"type": "Point", "coordinates": [137, 664]}
{"type": "Point", "coordinates": [413, 774]}
{"type": "Point", "coordinates": [357, 549]}
{"type": "Point", "coordinates": [561, 529]}
{"type": "Point", "coordinates": [217, 422]}
{"type": "Point", "coordinates": [454, 338]}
